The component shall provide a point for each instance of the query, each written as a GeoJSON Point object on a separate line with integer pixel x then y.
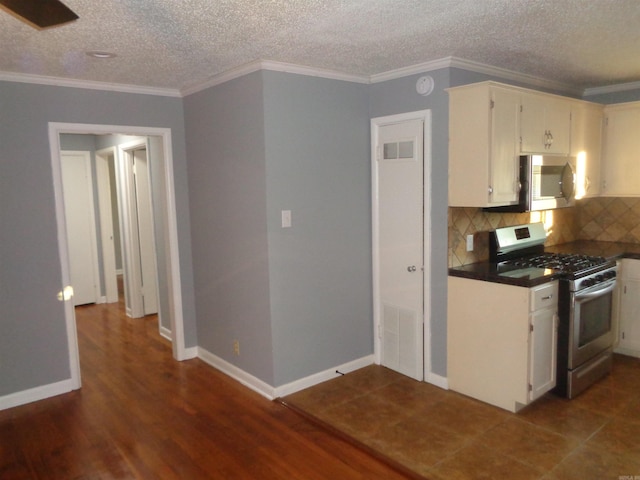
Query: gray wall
{"type": "Point", "coordinates": [298, 300]}
{"type": "Point", "coordinates": [33, 346]}
{"type": "Point", "coordinates": [615, 97]}
{"type": "Point", "coordinates": [318, 166]}
{"type": "Point", "coordinates": [227, 189]}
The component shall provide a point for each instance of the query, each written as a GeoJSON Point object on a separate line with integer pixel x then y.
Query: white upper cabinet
{"type": "Point", "coordinates": [586, 146]}
{"type": "Point", "coordinates": [545, 124]}
{"type": "Point", "coordinates": [483, 145]}
{"type": "Point", "coordinates": [492, 124]}
{"type": "Point", "coordinates": [621, 158]}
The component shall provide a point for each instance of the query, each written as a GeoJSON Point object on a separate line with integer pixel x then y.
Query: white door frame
{"type": "Point", "coordinates": [130, 229]}
{"type": "Point", "coordinates": [173, 260]}
{"type": "Point", "coordinates": [129, 223]}
{"type": "Point", "coordinates": [376, 123]}
{"type": "Point", "coordinates": [106, 222]}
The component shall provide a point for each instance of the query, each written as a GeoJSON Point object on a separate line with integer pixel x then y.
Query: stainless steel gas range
{"type": "Point", "coordinates": [585, 330]}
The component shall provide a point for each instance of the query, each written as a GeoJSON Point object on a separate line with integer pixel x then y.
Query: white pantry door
{"type": "Point", "coordinates": [399, 209]}
{"type": "Point", "coordinates": [79, 211]}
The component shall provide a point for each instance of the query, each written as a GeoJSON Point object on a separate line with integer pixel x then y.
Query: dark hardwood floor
{"type": "Point", "coordinates": [142, 415]}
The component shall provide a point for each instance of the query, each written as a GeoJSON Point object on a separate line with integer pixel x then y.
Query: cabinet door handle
{"type": "Point", "coordinates": [549, 297]}
{"type": "Point", "coordinates": [412, 268]}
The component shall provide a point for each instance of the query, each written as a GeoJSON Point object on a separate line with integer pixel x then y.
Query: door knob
{"type": "Point", "coordinates": [412, 268]}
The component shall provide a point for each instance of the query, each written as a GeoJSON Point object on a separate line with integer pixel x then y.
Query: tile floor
{"type": "Point", "coordinates": [441, 435]}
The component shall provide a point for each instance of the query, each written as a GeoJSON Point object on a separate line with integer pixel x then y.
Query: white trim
{"type": "Point", "coordinates": [130, 229]}
{"type": "Point", "coordinates": [165, 332]}
{"type": "Point", "coordinates": [257, 65]}
{"type": "Point", "coordinates": [106, 223]}
{"type": "Point", "coordinates": [174, 279]}
{"type": "Point", "coordinates": [437, 380]}
{"type": "Point", "coordinates": [323, 376]}
{"type": "Point", "coordinates": [36, 394]}
{"type": "Point", "coordinates": [469, 65]}
{"type": "Point", "coordinates": [271, 392]}
{"type": "Point", "coordinates": [411, 70]}
{"type": "Point", "coordinates": [376, 123]}
{"type": "Point", "coordinates": [63, 253]}
{"type": "Point", "coordinates": [426, 239]}
{"type": "Point", "coordinates": [273, 66]}
{"type": "Point", "coordinates": [627, 351]}
{"type": "Point", "coordinates": [237, 374]}
{"type": "Point", "coordinates": [503, 73]}
{"type": "Point", "coordinates": [87, 84]}
{"type": "Point", "coordinates": [620, 87]}
{"type": "Point", "coordinates": [191, 352]}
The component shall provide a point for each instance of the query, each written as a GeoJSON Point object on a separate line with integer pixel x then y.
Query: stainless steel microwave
{"type": "Point", "coordinates": [546, 182]}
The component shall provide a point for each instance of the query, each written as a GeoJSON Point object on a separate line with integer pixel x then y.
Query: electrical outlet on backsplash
{"type": "Point", "coordinates": [610, 219]}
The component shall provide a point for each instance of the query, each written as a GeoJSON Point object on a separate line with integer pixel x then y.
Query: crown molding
{"type": "Point", "coordinates": [257, 65]}
{"type": "Point", "coordinates": [87, 84]}
{"type": "Point", "coordinates": [236, 72]}
{"type": "Point", "coordinates": [273, 66]}
{"type": "Point", "coordinates": [454, 62]}
{"type": "Point", "coordinates": [506, 74]}
{"type": "Point", "coordinates": [620, 87]}
{"type": "Point", "coordinates": [411, 70]}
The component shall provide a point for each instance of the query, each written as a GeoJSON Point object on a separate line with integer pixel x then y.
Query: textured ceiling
{"type": "Point", "coordinates": [180, 43]}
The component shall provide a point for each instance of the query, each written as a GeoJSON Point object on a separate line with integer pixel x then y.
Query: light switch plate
{"type": "Point", "coordinates": [286, 218]}
{"type": "Point", "coordinates": [469, 243]}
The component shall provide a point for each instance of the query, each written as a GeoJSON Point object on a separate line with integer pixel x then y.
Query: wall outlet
{"type": "Point", "coordinates": [236, 347]}
{"type": "Point", "coordinates": [469, 243]}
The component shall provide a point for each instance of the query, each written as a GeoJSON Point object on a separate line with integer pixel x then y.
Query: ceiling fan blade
{"type": "Point", "coordinates": [41, 13]}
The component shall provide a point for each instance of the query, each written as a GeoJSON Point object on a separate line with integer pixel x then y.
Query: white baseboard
{"type": "Point", "coordinates": [323, 376]}
{"type": "Point", "coordinates": [165, 333]}
{"type": "Point", "coordinates": [191, 352]}
{"type": "Point", "coordinates": [269, 391]}
{"type": "Point", "coordinates": [236, 373]}
{"type": "Point", "coordinates": [35, 394]}
{"type": "Point", "coordinates": [438, 381]}
{"type": "Point", "coordinates": [102, 299]}
{"type": "Point", "coordinates": [627, 351]}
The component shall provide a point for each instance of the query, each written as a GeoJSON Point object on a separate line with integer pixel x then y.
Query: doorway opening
{"type": "Point", "coordinates": [168, 255]}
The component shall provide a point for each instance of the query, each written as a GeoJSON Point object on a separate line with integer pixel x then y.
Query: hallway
{"type": "Point", "coordinates": [142, 415]}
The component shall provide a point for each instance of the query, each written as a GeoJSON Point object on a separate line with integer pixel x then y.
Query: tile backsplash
{"type": "Point", "coordinates": [611, 219]}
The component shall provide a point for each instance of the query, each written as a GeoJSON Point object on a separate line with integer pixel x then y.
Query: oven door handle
{"type": "Point", "coordinates": [595, 293]}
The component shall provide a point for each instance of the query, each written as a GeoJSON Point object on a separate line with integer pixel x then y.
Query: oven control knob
{"type": "Point", "coordinates": [599, 278]}
{"type": "Point", "coordinates": [587, 282]}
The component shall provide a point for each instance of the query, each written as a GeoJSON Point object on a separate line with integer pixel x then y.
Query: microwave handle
{"type": "Point", "coordinates": [569, 175]}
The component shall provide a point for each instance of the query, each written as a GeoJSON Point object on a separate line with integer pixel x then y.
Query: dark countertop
{"type": "Point", "coordinates": [531, 277]}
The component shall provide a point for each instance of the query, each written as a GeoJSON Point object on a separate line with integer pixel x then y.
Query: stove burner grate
{"type": "Point", "coordinates": [563, 262]}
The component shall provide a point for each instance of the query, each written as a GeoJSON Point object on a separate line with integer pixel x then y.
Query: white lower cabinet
{"type": "Point", "coordinates": [629, 308]}
{"type": "Point", "coordinates": [501, 341]}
